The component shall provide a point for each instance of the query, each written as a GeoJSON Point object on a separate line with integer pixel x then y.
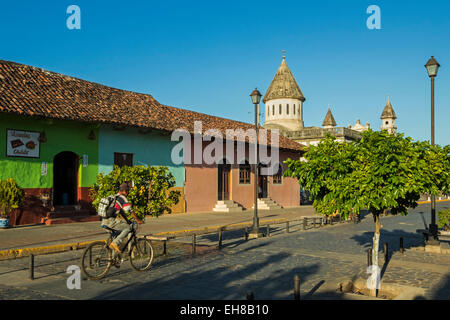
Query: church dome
{"type": "Point", "coordinates": [283, 85]}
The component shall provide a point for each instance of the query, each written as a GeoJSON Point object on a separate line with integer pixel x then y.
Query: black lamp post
{"type": "Point", "coordinates": [432, 69]}
{"type": "Point", "coordinates": [256, 98]}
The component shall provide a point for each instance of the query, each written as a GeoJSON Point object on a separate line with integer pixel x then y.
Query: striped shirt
{"type": "Point", "coordinates": [122, 203]}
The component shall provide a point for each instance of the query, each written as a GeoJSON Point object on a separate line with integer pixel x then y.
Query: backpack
{"type": "Point", "coordinates": [106, 207]}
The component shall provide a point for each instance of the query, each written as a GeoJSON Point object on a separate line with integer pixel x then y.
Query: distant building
{"type": "Point", "coordinates": [284, 111]}
{"type": "Point", "coordinates": [388, 119]}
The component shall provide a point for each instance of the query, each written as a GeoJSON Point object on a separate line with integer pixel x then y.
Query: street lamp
{"type": "Point", "coordinates": [256, 98]}
{"type": "Point", "coordinates": [432, 69]}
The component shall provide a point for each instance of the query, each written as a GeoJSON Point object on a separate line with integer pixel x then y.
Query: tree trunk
{"type": "Point", "coordinates": [376, 244]}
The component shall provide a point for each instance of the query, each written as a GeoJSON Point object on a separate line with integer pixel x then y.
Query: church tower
{"type": "Point", "coordinates": [329, 121]}
{"type": "Point", "coordinates": [388, 119]}
{"type": "Point", "coordinates": [284, 101]}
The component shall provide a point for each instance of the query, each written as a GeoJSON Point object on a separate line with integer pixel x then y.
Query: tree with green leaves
{"type": "Point", "coordinates": [379, 172]}
{"type": "Point", "coordinates": [149, 194]}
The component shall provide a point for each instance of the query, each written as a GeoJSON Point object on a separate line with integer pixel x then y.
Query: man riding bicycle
{"type": "Point", "coordinates": [119, 220]}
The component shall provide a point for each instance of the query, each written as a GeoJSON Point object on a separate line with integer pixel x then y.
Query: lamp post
{"type": "Point", "coordinates": [256, 98]}
{"type": "Point", "coordinates": [432, 69]}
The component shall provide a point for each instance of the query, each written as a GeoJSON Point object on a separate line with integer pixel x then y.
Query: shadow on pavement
{"type": "Point", "coordinates": [392, 238]}
{"type": "Point", "coordinates": [220, 283]}
{"type": "Point", "coordinates": [443, 292]}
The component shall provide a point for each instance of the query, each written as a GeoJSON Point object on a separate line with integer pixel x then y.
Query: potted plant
{"type": "Point", "coordinates": [444, 224]}
{"type": "Point", "coordinates": [11, 195]}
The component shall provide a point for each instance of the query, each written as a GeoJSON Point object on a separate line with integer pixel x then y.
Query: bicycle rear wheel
{"type": "Point", "coordinates": [96, 260]}
{"type": "Point", "coordinates": [141, 255]}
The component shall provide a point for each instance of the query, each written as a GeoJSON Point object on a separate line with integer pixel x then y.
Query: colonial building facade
{"type": "Point", "coordinates": [57, 133]}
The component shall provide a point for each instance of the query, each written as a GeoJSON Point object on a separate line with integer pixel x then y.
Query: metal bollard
{"type": "Point", "coordinates": [287, 227]}
{"type": "Point", "coordinates": [220, 238]}
{"type": "Point", "coordinates": [305, 223]}
{"type": "Point", "coordinates": [369, 257]}
{"type": "Point", "coordinates": [31, 266]}
{"type": "Point", "coordinates": [164, 247]}
{"type": "Point", "coordinates": [268, 230]}
{"type": "Point", "coordinates": [250, 295]}
{"type": "Point", "coordinates": [296, 287]}
{"type": "Point", "coordinates": [386, 252]}
{"type": "Point", "coordinates": [402, 250]}
{"type": "Point", "coordinates": [246, 234]}
{"type": "Point", "coordinates": [194, 243]}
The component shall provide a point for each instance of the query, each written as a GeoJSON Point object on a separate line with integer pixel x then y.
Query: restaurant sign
{"type": "Point", "coordinates": [22, 143]}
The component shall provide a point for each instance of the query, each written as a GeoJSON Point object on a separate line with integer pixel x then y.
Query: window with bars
{"type": "Point", "coordinates": [244, 173]}
{"type": "Point", "coordinates": [278, 177]}
{"type": "Point", "coordinates": [123, 159]}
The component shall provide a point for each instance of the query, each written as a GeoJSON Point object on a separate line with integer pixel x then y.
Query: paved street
{"type": "Point", "coordinates": [322, 258]}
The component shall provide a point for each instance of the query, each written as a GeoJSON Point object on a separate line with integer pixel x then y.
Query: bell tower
{"type": "Point", "coordinates": [284, 101]}
{"type": "Point", "coordinates": [388, 118]}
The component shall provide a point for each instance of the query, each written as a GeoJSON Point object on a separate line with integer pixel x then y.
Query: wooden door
{"type": "Point", "coordinates": [224, 173]}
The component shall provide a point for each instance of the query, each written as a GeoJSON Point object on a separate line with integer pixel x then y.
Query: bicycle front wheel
{"type": "Point", "coordinates": [96, 260]}
{"type": "Point", "coordinates": [141, 255]}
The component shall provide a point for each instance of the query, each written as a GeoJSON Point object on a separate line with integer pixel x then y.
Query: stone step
{"type": "Point", "coordinates": [228, 202]}
{"type": "Point", "coordinates": [267, 204]}
{"type": "Point", "coordinates": [236, 209]}
{"type": "Point", "coordinates": [67, 214]}
{"type": "Point", "coordinates": [74, 219]}
{"type": "Point", "coordinates": [227, 206]}
{"type": "Point", "coordinates": [234, 205]}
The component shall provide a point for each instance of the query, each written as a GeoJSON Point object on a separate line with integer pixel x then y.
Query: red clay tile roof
{"type": "Point", "coordinates": [31, 91]}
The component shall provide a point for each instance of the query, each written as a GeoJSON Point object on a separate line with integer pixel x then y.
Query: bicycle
{"type": "Point", "coordinates": [98, 258]}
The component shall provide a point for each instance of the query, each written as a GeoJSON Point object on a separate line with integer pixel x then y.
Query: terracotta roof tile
{"type": "Point", "coordinates": [32, 91]}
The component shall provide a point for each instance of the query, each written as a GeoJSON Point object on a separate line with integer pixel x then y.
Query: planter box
{"type": "Point", "coordinates": [4, 223]}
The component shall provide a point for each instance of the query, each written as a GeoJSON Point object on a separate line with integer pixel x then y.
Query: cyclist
{"type": "Point", "coordinates": [119, 221]}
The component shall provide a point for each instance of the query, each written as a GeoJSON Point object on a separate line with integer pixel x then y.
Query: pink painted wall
{"type": "Point", "coordinates": [286, 194]}
{"type": "Point", "coordinates": [201, 186]}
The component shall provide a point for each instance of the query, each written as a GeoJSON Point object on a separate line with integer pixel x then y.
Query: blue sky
{"type": "Point", "coordinates": [208, 56]}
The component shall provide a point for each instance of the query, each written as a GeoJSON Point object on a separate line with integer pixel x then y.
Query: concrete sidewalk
{"type": "Point", "coordinates": [41, 236]}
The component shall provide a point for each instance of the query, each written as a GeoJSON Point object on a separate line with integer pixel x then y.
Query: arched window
{"type": "Point", "coordinates": [294, 109]}
{"type": "Point", "coordinates": [273, 110]}
{"type": "Point", "coordinates": [280, 108]}
{"type": "Point", "coordinates": [278, 177]}
{"type": "Point", "coordinates": [244, 173]}
{"type": "Point", "coordinates": [287, 109]}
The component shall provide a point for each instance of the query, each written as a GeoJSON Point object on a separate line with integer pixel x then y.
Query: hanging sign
{"type": "Point", "coordinates": [22, 143]}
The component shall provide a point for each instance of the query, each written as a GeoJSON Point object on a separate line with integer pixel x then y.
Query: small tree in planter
{"type": "Point", "coordinates": [378, 173]}
{"type": "Point", "coordinates": [149, 193]}
{"type": "Point", "coordinates": [11, 196]}
{"type": "Point", "coordinates": [444, 220]}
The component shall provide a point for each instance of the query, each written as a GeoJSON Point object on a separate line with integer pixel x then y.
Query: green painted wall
{"type": "Point", "coordinates": [61, 136]}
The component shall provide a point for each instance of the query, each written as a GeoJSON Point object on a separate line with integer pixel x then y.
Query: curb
{"type": "Point", "coordinates": [25, 252]}
{"type": "Point", "coordinates": [424, 202]}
